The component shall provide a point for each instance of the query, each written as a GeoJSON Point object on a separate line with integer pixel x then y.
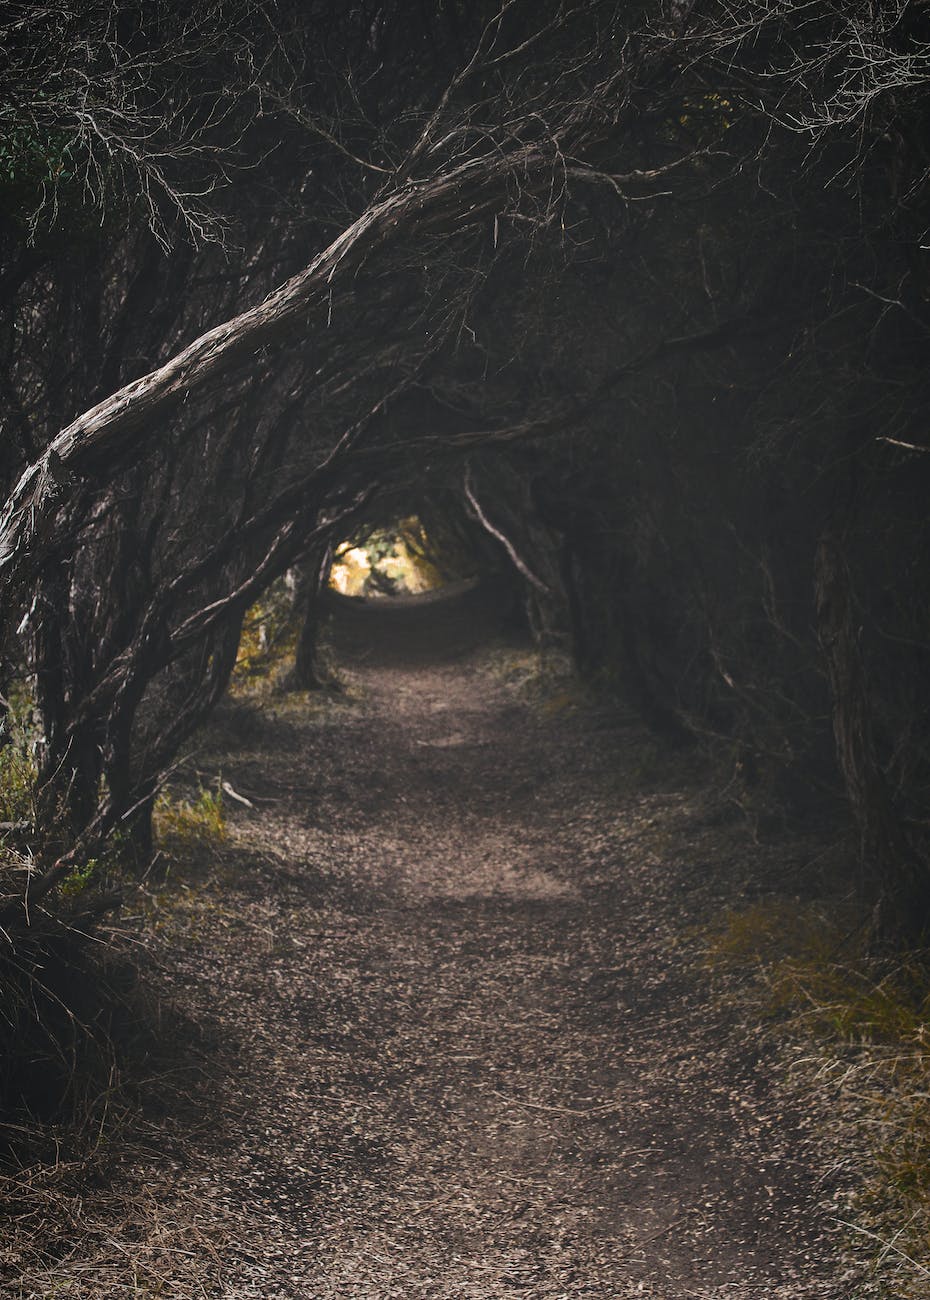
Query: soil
{"type": "Point", "coordinates": [464, 1044]}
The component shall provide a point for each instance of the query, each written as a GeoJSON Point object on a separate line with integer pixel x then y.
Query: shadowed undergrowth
{"type": "Point", "coordinates": [108, 1077]}
{"type": "Point", "coordinates": [862, 1026]}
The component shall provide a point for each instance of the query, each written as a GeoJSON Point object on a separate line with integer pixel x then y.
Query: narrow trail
{"type": "Point", "coordinates": [472, 1052]}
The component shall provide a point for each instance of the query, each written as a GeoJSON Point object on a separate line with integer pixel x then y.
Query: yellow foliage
{"type": "Point", "coordinates": [198, 821]}
{"type": "Point", "coordinates": [17, 762]}
{"type": "Point", "coordinates": [394, 554]}
{"type": "Point", "coordinates": [269, 636]}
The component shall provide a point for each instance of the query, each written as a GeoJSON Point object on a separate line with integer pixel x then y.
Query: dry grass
{"type": "Point", "coordinates": [862, 1024]}
{"type": "Point", "coordinates": [121, 1241]}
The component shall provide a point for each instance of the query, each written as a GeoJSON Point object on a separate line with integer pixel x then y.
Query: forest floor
{"type": "Point", "coordinates": [461, 1042]}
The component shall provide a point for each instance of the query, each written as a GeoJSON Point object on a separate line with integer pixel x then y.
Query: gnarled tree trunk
{"type": "Point", "coordinates": [892, 868]}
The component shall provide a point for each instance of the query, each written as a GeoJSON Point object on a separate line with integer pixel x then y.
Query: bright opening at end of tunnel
{"type": "Point", "coordinates": [392, 561]}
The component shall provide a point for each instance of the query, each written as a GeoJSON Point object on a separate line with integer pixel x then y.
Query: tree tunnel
{"type": "Point", "coordinates": [365, 369]}
{"type": "Point", "coordinates": [520, 281]}
{"type": "Point", "coordinates": [429, 577]}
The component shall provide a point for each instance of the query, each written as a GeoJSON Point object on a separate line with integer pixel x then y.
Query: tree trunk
{"type": "Point", "coordinates": [570, 569]}
{"type": "Point", "coordinates": [891, 867]}
{"type": "Point", "coordinates": [309, 674]}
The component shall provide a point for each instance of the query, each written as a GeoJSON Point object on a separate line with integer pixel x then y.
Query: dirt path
{"type": "Point", "coordinates": [472, 1055]}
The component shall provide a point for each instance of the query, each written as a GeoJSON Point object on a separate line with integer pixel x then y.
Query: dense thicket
{"type": "Point", "coordinates": [639, 294]}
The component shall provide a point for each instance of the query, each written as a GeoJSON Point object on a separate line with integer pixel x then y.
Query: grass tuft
{"type": "Point", "coordinates": [197, 821]}
{"type": "Point", "coordinates": [868, 1021]}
